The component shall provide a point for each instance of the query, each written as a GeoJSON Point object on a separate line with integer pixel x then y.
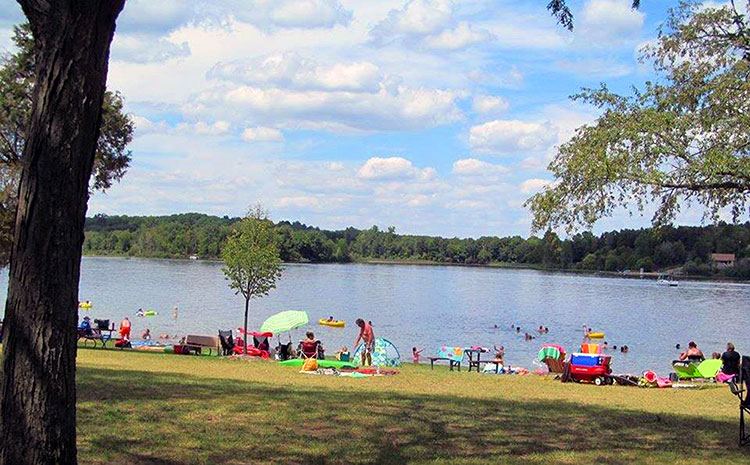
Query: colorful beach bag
{"type": "Point", "coordinates": [310, 364]}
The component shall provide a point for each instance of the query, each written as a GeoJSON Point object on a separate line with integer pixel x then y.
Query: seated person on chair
{"type": "Point", "coordinates": [309, 347]}
{"type": "Point", "coordinates": [730, 361]}
{"type": "Point", "coordinates": [693, 353]}
{"type": "Point", "coordinates": [343, 354]}
{"type": "Point", "coordinates": [85, 326]}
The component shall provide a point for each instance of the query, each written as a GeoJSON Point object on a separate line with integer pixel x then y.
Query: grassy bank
{"type": "Point", "coordinates": [140, 408]}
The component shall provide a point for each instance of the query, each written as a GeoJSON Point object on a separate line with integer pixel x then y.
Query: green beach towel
{"type": "Point", "coordinates": [297, 362]}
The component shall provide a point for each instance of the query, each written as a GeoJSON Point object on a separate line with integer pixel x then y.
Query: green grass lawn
{"type": "Point", "coordinates": [148, 408]}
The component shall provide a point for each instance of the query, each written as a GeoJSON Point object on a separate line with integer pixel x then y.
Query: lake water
{"type": "Point", "coordinates": [430, 306]}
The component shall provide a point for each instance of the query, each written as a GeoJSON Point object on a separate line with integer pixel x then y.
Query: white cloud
{"type": "Point", "coordinates": [467, 205]}
{"type": "Point", "coordinates": [219, 127]}
{"type": "Point", "coordinates": [302, 14]}
{"type": "Point", "coordinates": [534, 185]}
{"type": "Point", "coordinates": [337, 111]}
{"type": "Point", "coordinates": [420, 200]}
{"type": "Point", "coordinates": [262, 134]}
{"type": "Point", "coordinates": [299, 202]}
{"type": "Point", "coordinates": [489, 104]}
{"type": "Point", "coordinates": [526, 33]}
{"type": "Point", "coordinates": [291, 70]}
{"type": "Point", "coordinates": [459, 37]}
{"type": "Point", "coordinates": [533, 164]}
{"type": "Point", "coordinates": [309, 13]}
{"type": "Point", "coordinates": [610, 21]}
{"type": "Point", "coordinates": [155, 17]}
{"type": "Point", "coordinates": [335, 166]}
{"type": "Point", "coordinates": [474, 167]}
{"type": "Point", "coordinates": [309, 203]}
{"type": "Point", "coordinates": [393, 168]}
{"type": "Point", "coordinates": [143, 125]}
{"type": "Point", "coordinates": [139, 48]}
{"type": "Point", "coordinates": [502, 137]}
{"type": "Point", "coordinates": [415, 18]}
{"type": "Point", "coordinates": [511, 78]}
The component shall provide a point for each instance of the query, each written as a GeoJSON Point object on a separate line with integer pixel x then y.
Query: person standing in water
{"type": "Point", "coordinates": [175, 312]}
{"type": "Point", "coordinates": [367, 336]}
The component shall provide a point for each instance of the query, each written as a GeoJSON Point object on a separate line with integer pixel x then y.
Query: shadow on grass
{"type": "Point", "coordinates": [137, 417]}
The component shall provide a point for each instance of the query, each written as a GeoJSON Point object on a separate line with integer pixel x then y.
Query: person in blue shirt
{"type": "Point", "coordinates": [86, 326]}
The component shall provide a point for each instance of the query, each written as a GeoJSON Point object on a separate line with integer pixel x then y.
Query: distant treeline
{"type": "Point", "coordinates": [179, 236]}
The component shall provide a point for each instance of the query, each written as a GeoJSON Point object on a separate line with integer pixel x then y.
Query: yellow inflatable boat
{"type": "Point", "coordinates": [333, 323]}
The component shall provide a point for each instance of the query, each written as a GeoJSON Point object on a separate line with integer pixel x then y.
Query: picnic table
{"type": "Point", "coordinates": [454, 356]}
{"type": "Point", "coordinates": [94, 335]}
{"type": "Point", "coordinates": [451, 363]}
{"type": "Point", "coordinates": [475, 357]}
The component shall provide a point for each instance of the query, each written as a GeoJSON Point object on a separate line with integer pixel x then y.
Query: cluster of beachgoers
{"type": "Point", "coordinates": [591, 362]}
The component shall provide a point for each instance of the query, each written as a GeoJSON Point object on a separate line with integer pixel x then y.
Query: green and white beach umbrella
{"type": "Point", "coordinates": [285, 321]}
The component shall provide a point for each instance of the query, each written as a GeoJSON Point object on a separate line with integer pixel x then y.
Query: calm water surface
{"type": "Point", "coordinates": [430, 306]}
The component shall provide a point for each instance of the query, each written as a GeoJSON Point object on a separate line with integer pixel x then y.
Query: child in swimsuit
{"type": "Point", "coordinates": [415, 354]}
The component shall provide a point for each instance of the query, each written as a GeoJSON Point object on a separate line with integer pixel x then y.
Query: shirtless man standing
{"type": "Point", "coordinates": [368, 337]}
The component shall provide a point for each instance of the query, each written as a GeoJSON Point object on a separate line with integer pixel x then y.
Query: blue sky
{"type": "Point", "coordinates": [434, 116]}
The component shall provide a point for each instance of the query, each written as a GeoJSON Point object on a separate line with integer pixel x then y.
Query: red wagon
{"type": "Point", "coordinates": [591, 368]}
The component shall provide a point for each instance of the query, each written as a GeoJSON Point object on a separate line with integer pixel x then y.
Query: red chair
{"type": "Point", "coordinates": [259, 350]}
{"type": "Point", "coordinates": [309, 349]}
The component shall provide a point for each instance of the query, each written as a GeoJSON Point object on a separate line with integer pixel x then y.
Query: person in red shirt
{"type": "Point", "coordinates": [125, 328]}
{"type": "Point", "coordinates": [367, 336]}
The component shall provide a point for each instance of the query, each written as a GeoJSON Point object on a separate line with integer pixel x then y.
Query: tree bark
{"type": "Point", "coordinates": [37, 381]}
{"type": "Point", "coordinates": [247, 309]}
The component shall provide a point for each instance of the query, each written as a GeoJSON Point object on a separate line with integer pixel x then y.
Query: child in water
{"type": "Point", "coordinates": [415, 354]}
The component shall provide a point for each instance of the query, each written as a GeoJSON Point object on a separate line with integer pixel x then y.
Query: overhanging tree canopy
{"type": "Point", "coordinates": [682, 139]}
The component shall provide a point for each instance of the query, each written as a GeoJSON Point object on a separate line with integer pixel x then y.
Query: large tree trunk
{"type": "Point", "coordinates": [37, 390]}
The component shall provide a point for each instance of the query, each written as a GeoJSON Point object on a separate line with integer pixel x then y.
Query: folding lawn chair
{"type": "Point", "coordinates": [227, 342]}
{"type": "Point", "coordinates": [284, 351]}
{"type": "Point", "coordinates": [741, 388]}
{"type": "Point", "coordinates": [309, 349]}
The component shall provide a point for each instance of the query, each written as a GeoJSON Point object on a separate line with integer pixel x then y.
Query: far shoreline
{"type": "Point", "coordinates": [652, 275]}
